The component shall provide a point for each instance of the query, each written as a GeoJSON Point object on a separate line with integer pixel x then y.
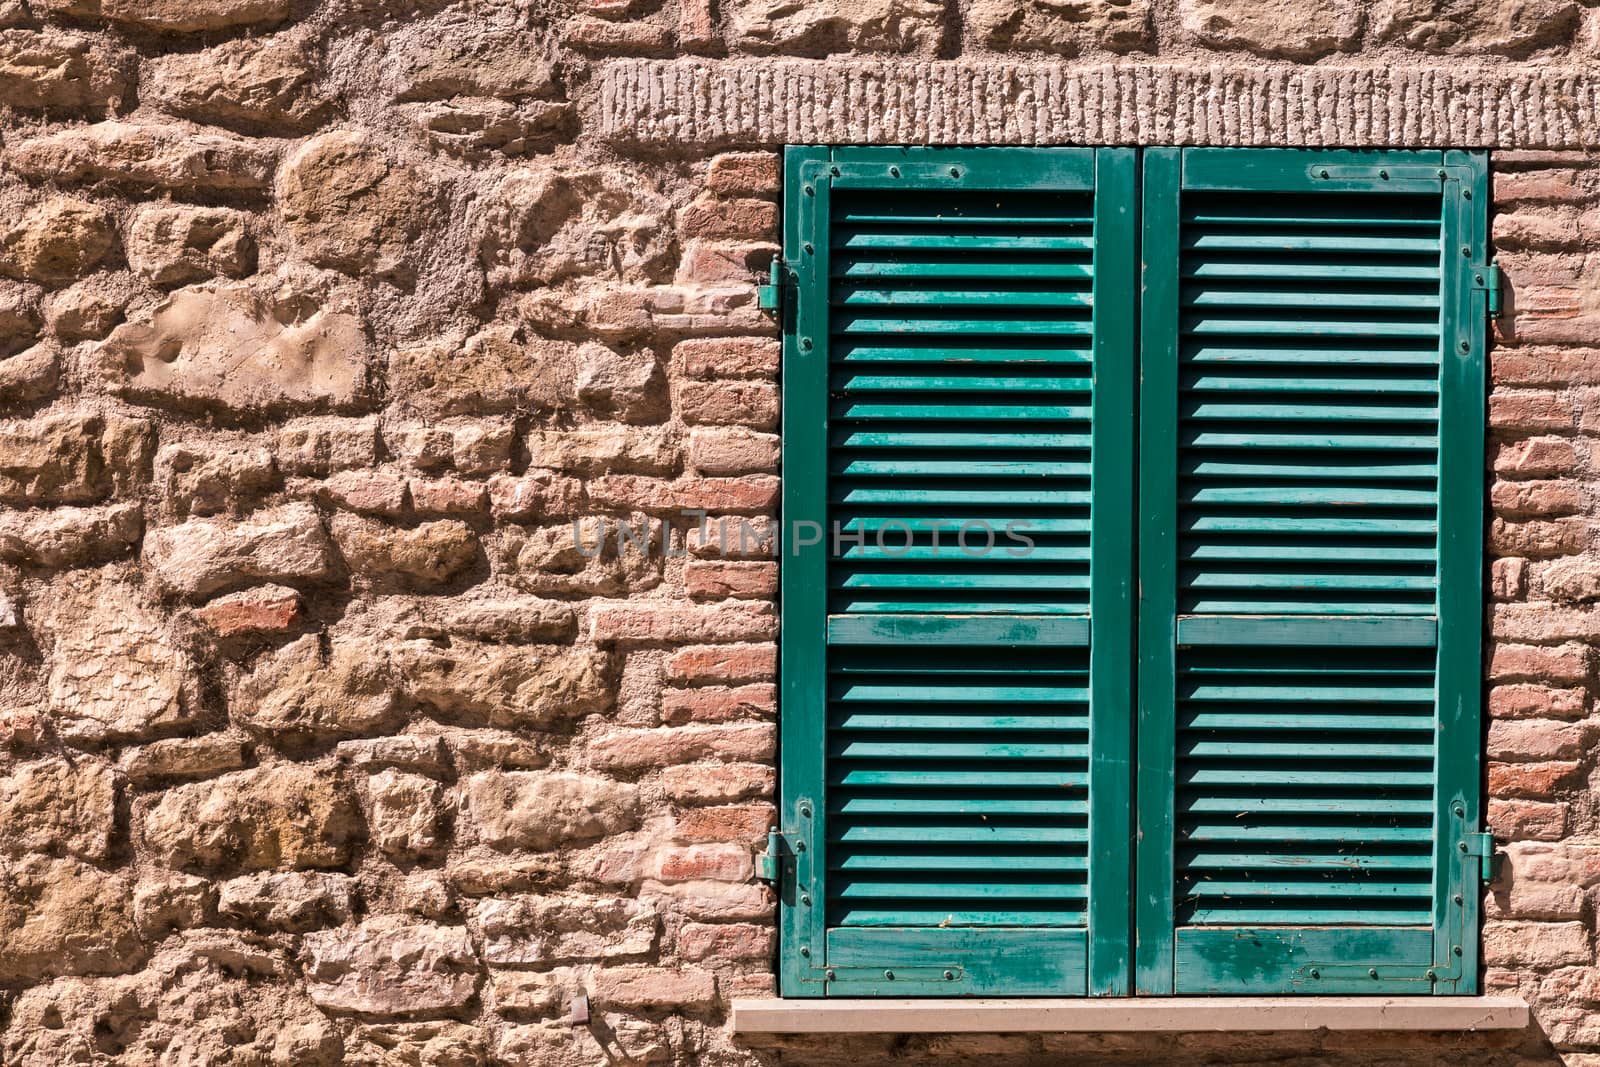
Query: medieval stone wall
{"type": "Point", "coordinates": [321, 321]}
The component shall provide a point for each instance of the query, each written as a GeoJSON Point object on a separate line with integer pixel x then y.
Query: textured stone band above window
{"type": "Point", "coordinates": [715, 103]}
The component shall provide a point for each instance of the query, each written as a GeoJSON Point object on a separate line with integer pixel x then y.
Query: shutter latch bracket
{"type": "Point", "coordinates": [769, 864]}
{"type": "Point", "coordinates": [1488, 278]}
{"type": "Point", "coordinates": [769, 297]}
{"type": "Point", "coordinates": [1481, 845]}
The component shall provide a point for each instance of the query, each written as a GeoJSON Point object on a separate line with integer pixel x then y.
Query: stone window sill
{"type": "Point", "coordinates": [1147, 1014]}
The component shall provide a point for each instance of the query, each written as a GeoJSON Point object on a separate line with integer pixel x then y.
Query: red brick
{"type": "Point", "coordinates": [1540, 539]}
{"type": "Point", "coordinates": [711, 216]}
{"type": "Point", "coordinates": [1540, 158]}
{"type": "Point", "coordinates": [679, 621]}
{"type": "Point", "coordinates": [601, 37]}
{"type": "Point", "coordinates": [654, 987]}
{"type": "Point", "coordinates": [733, 450]}
{"type": "Point", "coordinates": [757, 700]}
{"type": "Point", "coordinates": [1523, 269]}
{"type": "Point", "coordinates": [368, 492]}
{"type": "Point", "coordinates": [1537, 365]}
{"type": "Point", "coordinates": [1556, 323]}
{"type": "Point", "coordinates": [1508, 578]}
{"type": "Point", "coordinates": [740, 823]}
{"type": "Point", "coordinates": [1530, 779]}
{"type": "Point", "coordinates": [715, 901]}
{"type": "Point", "coordinates": [448, 496]}
{"type": "Point", "coordinates": [1537, 457]}
{"type": "Point", "coordinates": [697, 28]}
{"type": "Point", "coordinates": [723, 663]}
{"type": "Point", "coordinates": [1538, 945]}
{"type": "Point", "coordinates": [1538, 739]}
{"type": "Point", "coordinates": [1545, 184]}
{"type": "Point", "coordinates": [712, 262]}
{"type": "Point", "coordinates": [1544, 623]}
{"type": "Point", "coordinates": [713, 579]}
{"type": "Point", "coordinates": [1574, 579]}
{"type": "Point", "coordinates": [757, 492]}
{"type": "Point", "coordinates": [714, 783]}
{"type": "Point", "coordinates": [725, 941]}
{"type": "Point", "coordinates": [717, 861]}
{"type": "Point", "coordinates": [264, 610]}
{"type": "Point", "coordinates": [1561, 663]}
{"type": "Point", "coordinates": [1524, 820]}
{"type": "Point", "coordinates": [636, 750]}
{"type": "Point", "coordinates": [1536, 412]}
{"type": "Point", "coordinates": [542, 495]}
{"type": "Point", "coordinates": [729, 357]}
{"type": "Point", "coordinates": [736, 537]}
{"type": "Point", "coordinates": [744, 174]}
{"type": "Point", "coordinates": [1536, 498]}
{"type": "Point", "coordinates": [724, 403]}
{"type": "Point", "coordinates": [1538, 229]}
{"type": "Point", "coordinates": [1527, 700]}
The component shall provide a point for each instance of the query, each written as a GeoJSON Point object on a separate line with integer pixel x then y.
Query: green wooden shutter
{"type": "Point", "coordinates": [1310, 565]}
{"type": "Point", "coordinates": [958, 356]}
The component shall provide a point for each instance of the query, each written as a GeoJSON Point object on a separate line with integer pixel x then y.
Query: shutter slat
{"type": "Point", "coordinates": [954, 918]}
{"type": "Point", "coordinates": [960, 351]}
{"type": "Point", "coordinates": [956, 413]}
{"type": "Point", "coordinates": [1289, 240]}
{"type": "Point", "coordinates": [949, 861]}
{"type": "Point", "coordinates": [911, 383]}
{"type": "Point", "coordinates": [963, 242]}
{"type": "Point", "coordinates": [849, 267]}
{"type": "Point", "coordinates": [849, 296]}
{"type": "Point", "coordinates": [1031, 327]}
{"type": "Point", "coordinates": [928, 832]}
{"type": "Point", "coordinates": [1323, 300]}
{"type": "Point", "coordinates": [943, 806]}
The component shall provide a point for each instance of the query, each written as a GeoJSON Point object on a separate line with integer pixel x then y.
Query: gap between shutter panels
{"type": "Point", "coordinates": [960, 393]}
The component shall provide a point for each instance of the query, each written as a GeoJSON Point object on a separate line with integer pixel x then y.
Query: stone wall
{"type": "Point", "coordinates": [320, 323]}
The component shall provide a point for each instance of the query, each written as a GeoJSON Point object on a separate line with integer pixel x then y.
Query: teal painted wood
{"type": "Point", "coordinates": [1463, 400]}
{"type": "Point", "coordinates": [1272, 630]}
{"type": "Point", "coordinates": [1323, 676]}
{"type": "Point", "coordinates": [1269, 960]}
{"type": "Point", "coordinates": [1157, 612]}
{"type": "Point", "coordinates": [803, 577]}
{"type": "Point", "coordinates": [891, 961]}
{"type": "Point", "coordinates": [1111, 597]}
{"type": "Point", "coordinates": [1005, 630]}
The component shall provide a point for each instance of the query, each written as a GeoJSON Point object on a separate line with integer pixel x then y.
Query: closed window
{"type": "Point", "coordinates": [1131, 583]}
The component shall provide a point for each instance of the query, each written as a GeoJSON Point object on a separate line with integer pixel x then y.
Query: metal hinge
{"type": "Point", "coordinates": [769, 865]}
{"type": "Point", "coordinates": [769, 297]}
{"type": "Point", "coordinates": [1487, 277]}
{"type": "Point", "coordinates": [1481, 845]}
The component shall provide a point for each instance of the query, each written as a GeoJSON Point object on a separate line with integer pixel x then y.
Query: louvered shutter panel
{"type": "Point", "coordinates": [1312, 434]}
{"type": "Point", "coordinates": [958, 368]}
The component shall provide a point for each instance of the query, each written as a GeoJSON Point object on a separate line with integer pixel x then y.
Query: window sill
{"type": "Point", "coordinates": [1146, 1014]}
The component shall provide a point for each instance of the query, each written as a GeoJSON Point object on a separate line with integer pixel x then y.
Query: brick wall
{"type": "Point", "coordinates": [321, 321]}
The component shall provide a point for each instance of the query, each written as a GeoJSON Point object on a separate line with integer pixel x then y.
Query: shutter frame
{"type": "Point", "coordinates": [1238, 958]}
{"type": "Point", "coordinates": [818, 960]}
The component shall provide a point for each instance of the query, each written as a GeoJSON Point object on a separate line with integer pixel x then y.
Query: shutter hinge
{"type": "Point", "coordinates": [1488, 278]}
{"type": "Point", "coordinates": [769, 865]}
{"type": "Point", "coordinates": [769, 297]}
{"type": "Point", "coordinates": [1481, 845]}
